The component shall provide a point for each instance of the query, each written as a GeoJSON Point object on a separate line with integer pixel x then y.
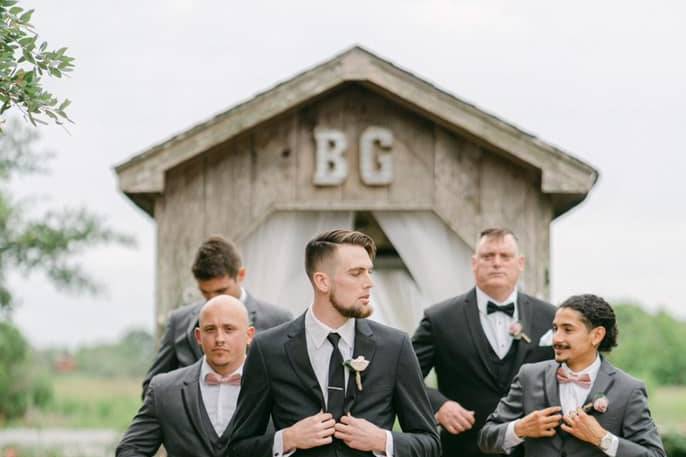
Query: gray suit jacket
{"type": "Point", "coordinates": [536, 387]}
{"type": "Point", "coordinates": [171, 415]}
{"type": "Point", "coordinates": [178, 347]}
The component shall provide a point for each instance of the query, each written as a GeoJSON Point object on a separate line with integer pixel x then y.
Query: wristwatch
{"type": "Point", "coordinates": [606, 442]}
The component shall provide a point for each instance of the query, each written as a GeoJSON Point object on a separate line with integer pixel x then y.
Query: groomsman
{"type": "Point", "coordinates": [188, 410]}
{"type": "Point", "coordinates": [579, 404]}
{"type": "Point", "coordinates": [333, 381]}
{"type": "Point", "coordinates": [217, 270]}
{"type": "Point", "coordinates": [476, 342]}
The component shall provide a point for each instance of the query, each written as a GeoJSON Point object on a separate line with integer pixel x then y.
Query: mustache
{"type": "Point", "coordinates": [561, 346]}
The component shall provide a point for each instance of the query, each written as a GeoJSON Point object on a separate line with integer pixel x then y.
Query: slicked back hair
{"type": "Point", "coordinates": [325, 244]}
{"type": "Point", "coordinates": [215, 258]}
{"type": "Point", "coordinates": [497, 233]}
{"type": "Point", "coordinates": [596, 312]}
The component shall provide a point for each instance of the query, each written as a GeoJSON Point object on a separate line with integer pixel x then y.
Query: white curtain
{"type": "Point", "coordinates": [274, 255]}
{"type": "Point", "coordinates": [436, 257]}
{"type": "Point", "coordinates": [395, 297]}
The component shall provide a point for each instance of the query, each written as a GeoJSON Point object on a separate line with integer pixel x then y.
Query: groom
{"type": "Point", "coordinates": [300, 373]}
{"type": "Point", "coordinates": [600, 410]}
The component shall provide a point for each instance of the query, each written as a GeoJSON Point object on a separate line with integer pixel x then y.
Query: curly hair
{"type": "Point", "coordinates": [596, 312]}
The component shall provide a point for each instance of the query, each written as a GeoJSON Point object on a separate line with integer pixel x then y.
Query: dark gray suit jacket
{"type": "Point", "coordinates": [278, 380]}
{"type": "Point", "coordinates": [171, 415]}
{"type": "Point", "coordinates": [178, 347]}
{"type": "Point", "coordinates": [536, 387]}
{"type": "Point", "coordinates": [451, 340]}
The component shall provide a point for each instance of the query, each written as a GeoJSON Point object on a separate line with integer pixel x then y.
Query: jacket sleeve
{"type": "Point", "coordinates": [510, 408]}
{"type": "Point", "coordinates": [424, 347]}
{"type": "Point", "coordinates": [165, 360]}
{"type": "Point", "coordinates": [250, 435]}
{"type": "Point", "coordinates": [419, 437]}
{"type": "Point", "coordinates": [144, 436]}
{"type": "Point", "coordinates": [639, 434]}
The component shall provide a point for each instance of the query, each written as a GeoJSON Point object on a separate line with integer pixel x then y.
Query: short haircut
{"type": "Point", "coordinates": [325, 244]}
{"type": "Point", "coordinates": [497, 233]}
{"type": "Point", "coordinates": [596, 312]}
{"type": "Point", "coordinates": [215, 258]}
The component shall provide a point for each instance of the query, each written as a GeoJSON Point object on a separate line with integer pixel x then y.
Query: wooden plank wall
{"type": "Point", "coordinates": [231, 188]}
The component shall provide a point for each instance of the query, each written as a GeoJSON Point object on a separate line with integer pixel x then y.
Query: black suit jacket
{"type": "Point", "coordinates": [171, 415]}
{"type": "Point", "coordinates": [178, 347]}
{"type": "Point", "coordinates": [278, 380]}
{"type": "Point", "coordinates": [451, 340]}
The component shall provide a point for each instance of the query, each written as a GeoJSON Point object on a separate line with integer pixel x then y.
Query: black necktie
{"type": "Point", "coordinates": [493, 308]}
{"type": "Point", "coordinates": [336, 379]}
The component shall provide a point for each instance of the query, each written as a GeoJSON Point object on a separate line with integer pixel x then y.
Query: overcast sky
{"type": "Point", "coordinates": [605, 81]}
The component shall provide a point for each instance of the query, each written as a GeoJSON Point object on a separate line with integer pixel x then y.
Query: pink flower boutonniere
{"type": "Point", "coordinates": [517, 332]}
{"type": "Point", "coordinates": [358, 365]}
{"type": "Point", "coordinates": [600, 404]}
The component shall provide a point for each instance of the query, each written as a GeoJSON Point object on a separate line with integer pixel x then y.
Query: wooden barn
{"type": "Point", "coordinates": [354, 142]}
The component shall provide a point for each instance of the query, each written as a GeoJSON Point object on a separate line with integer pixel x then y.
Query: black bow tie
{"type": "Point", "coordinates": [493, 308]}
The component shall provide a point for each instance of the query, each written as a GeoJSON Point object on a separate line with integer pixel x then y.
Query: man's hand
{"type": "Point", "coordinates": [309, 432]}
{"type": "Point", "coordinates": [584, 427]}
{"type": "Point", "coordinates": [454, 418]}
{"type": "Point", "coordinates": [361, 434]}
{"type": "Point", "coordinates": [539, 423]}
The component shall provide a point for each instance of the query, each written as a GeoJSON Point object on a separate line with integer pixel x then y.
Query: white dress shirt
{"type": "Point", "coordinates": [219, 400]}
{"type": "Point", "coordinates": [572, 397]}
{"type": "Point", "coordinates": [497, 325]}
{"type": "Point", "coordinates": [319, 351]}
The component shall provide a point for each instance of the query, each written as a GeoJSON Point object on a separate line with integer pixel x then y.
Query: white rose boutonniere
{"type": "Point", "coordinates": [358, 365]}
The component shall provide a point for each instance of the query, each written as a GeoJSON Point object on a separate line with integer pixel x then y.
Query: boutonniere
{"type": "Point", "coordinates": [358, 365]}
{"type": "Point", "coordinates": [600, 404]}
{"type": "Point", "coordinates": [517, 332]}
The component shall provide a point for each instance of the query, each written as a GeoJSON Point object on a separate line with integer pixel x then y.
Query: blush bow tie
{"type": "Point", "coordinates": [213, 379]}
{"type": "Point", "coordinates": [565, 377]}
{"type": "Point", "coordinates": [493, 308]}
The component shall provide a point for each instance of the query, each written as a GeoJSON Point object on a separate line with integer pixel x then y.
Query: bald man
{"type": "Point", "coordinates": [188, 410]}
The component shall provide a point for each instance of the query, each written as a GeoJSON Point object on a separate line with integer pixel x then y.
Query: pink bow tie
{"type": "Point", "coordinates": [565, 377]}
{"type": "Point", "coordinates": [213, 379]}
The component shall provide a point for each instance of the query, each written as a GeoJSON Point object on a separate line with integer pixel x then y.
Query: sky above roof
{"type": "Point", "coordinates": [600, 80]}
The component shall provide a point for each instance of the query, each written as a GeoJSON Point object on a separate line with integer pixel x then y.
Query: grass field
{"type": "Point", "coordinates": [86, 402]}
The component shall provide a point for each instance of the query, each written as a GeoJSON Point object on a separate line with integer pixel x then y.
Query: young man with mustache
{"type": "Point", "coordinates": [579, 404]}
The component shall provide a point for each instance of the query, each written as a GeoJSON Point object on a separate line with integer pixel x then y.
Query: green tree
{"type": "Point", "coordinates": [24, 61]}
{"type": "Point", "coordinates": [46, 243]}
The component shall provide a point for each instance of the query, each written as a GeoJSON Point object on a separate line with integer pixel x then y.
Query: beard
{"type": "Point", "coordinates": [561, 358]}
{"type": "Point", "coordinates": [355, 311]}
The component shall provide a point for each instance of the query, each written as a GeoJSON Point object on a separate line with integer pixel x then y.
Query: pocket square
{"type": "Point", "coordinates": [546, 339]}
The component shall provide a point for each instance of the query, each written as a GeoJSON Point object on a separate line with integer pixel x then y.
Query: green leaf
{"type": "Point", "coordinates": [26, 17]}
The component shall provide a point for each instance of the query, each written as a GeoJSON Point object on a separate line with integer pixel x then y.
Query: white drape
{"type": "Point", "coordinates": [436, 257]}
{"type": "Point", "coordinates": [395, 297]}
{"type": "Point", "coordinates": [274, 255]}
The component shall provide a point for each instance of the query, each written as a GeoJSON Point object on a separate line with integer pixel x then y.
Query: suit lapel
{"type": "Point", "coordinates": [552, 397]}
{"type": "Point", "coordinates": [190, 332]}
{"type": "Point", "coordinates": [526, 319]}
{"type": "Point", "coordinates": [296, 350]}
{"type": "Point", "coordinates": [365, 346]}
{"type": "Point", "coordinates": [478, 337]}
{"type": "Point", "coordinates": [190, 393]}
{"type": "Point", "coordinates": [603, 381]}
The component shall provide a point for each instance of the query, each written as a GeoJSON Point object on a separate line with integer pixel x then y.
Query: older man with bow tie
{"type": "Point", "coordinates": [188, 410]}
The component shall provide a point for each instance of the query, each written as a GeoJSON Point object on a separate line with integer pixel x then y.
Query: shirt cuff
{"type": "Point", "coordinates": [614, 445]}
{"type": "Point", "coordinates": [389, 446]}
{"type": "Point", "coordinates": [511, 438]}
{"type": "Point", "coordinates": [277, 447]}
